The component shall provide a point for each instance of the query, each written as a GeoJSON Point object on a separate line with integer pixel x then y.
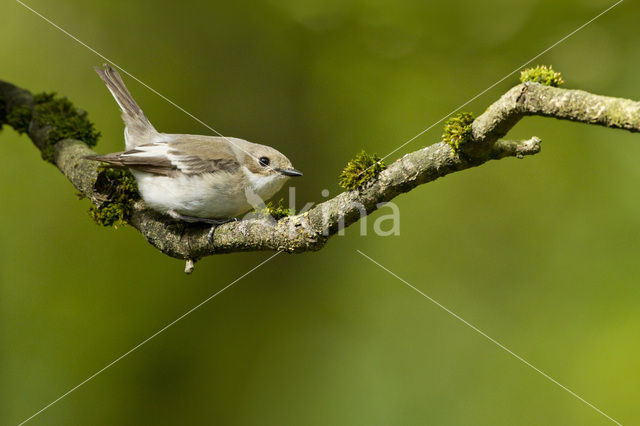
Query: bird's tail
{"type": "Point", "coordinates": [115, 160]}
{"type": "Point", "coordinates": [138, 127]}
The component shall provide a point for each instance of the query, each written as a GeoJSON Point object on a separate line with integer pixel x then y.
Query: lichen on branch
{"type": "Point", "coordinates": [368, 182]}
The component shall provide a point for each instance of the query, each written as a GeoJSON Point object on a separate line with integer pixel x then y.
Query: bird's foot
{"type": "Point", "coordinates": [215, 225]}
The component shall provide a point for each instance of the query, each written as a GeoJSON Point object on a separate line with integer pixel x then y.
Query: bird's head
{"type": "Point", "coordinates": [267, 169]}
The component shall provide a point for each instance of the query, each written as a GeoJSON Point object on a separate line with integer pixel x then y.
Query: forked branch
{"type": "Point", "coordinates": [312, 229]}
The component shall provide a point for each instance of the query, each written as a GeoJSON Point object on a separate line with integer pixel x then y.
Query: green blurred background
{"type": "Point", "coordinates": [542, 253]}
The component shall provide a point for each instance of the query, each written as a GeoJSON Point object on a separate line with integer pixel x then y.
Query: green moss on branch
{"type": "Point", "coordinates": [275, 210]}
{"type": "Point", "coordinates": [58, 116]}
{"type": "Point", "coordinates": [65, 121]}
{"type": "Point", "coordinates": [457, 131]}
{"type": "Point", "coordinates": [19, 118]}
{"type": "Point", "coordinates": [361, 170]}
{"type": "Point", "coordinates": [118, 191]}
{"type": "Point", "coordinates": [543, 75]}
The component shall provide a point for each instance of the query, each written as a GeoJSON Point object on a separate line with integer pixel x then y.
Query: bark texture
{"type": "Point", "coordinates": [311, 230]}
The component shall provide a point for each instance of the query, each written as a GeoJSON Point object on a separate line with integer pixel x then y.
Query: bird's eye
{"type": "Point", "coordinates": [264, 161]}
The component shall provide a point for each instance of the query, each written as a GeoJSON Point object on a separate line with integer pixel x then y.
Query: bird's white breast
{"type": "Point", "coordinates": [209, 195]}
{"type": "Point", "coordinates": [212, 195]}
{"type": "Point", "coordinates": [265, 186]}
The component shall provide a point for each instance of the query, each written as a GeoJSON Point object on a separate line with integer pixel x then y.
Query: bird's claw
{"type": "Point", "coordinates": [215, 225]}
{"type": "Point", "coordinates": [210, 234]}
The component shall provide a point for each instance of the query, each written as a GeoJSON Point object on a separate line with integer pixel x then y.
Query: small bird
{"type": "Point", "coordinates": [193, 178]}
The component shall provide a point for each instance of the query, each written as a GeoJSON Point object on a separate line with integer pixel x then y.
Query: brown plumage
{"type": "Point", "coordinates": [188, 154]}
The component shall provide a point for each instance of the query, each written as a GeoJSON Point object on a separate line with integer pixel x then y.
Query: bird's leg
{"type": "Point", "coordinates": [215, 225]}
{"type": "Point", "coordinates": [192, 219]}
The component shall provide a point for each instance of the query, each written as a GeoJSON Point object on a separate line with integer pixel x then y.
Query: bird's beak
{"type": "Point", "coordinates": [290, 172]}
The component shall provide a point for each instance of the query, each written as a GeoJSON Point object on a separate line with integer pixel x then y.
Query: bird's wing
{"type": "Point", "coordinates": [194, 154]}
{"type": "Point", "coordinates": [188, 154]}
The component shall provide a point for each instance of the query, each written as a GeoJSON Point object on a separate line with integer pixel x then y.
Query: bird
{"type": "Point", "coordinates": [193, 178]}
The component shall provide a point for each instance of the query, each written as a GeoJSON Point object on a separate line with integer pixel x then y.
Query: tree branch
{"type": "Point", "coordinates": [311, 230]}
